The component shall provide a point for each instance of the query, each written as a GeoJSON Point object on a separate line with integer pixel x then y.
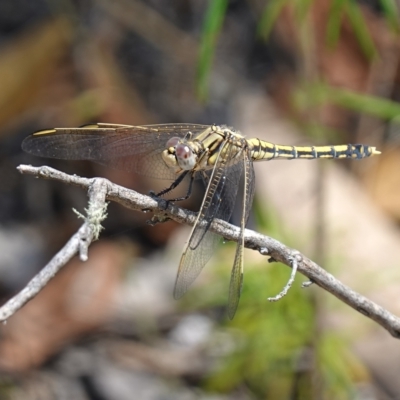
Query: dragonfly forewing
{"type": "Point", "coordinates": [131, 148]}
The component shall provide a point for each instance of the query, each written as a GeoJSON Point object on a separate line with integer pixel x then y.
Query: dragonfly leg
{"type": "Point", "coordinates": [188, 193]}
{"type": "Point", "coordinates": [174, 185]}
{"type": "Point", "coordinates": [163, 203]}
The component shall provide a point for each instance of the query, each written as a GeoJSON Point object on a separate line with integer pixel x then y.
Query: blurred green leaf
{"type": "Point", "coordinates": [339, 367]}
{"type": "Point", "coordinates": [302, 10]}
{"type": "Point", "coordinates": [269, 16]}
{"type": "Point", "coordinates": [318, 132]}
{"type": "Point", "coordinates": [319, 94]}
{"type": "Point", "coordinates": [334, 22]}
{"type": "Point", "coordinates": [360, 28]}
{"type": "Point", "coordinates": [356, 18]}
{"type": "Point", "coordinates": [391, 12]}
{"type": "Point", "coordinates": [376, 106]}
{"type": "Point", "coordinates": [87, 105]}
{"type": "Point", "coordinates": [268, 337]}
{"type": "Point", "coordinates": [211, 28]}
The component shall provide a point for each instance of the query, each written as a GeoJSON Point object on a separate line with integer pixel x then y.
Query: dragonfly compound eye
{"type": "Point", "coordinates": [185, 157]}
{"type": "Point", "coordinates": [173, 142]}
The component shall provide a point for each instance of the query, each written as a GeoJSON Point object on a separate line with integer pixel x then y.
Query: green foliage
{"type": "Point", "coordinates": [360, 29]}
{"type": "Point", "coordinates": [7, 388]}
{"type": "Point", "coordinates": [390, 9]}
{"type": "Point", "coordinates": [271, 342]}
{"type": "Point", "coordinates": [339, 368]}
{"type": "Point", "coordinates": [334, 22]}
{"type": "Point", "coordinates": [339, 10]}
{"type": "Point", "coordinates": [269, 336]}
{"type": "Point", "coordinates": [318, 93]}
{"type": "Point", "coordinates": [211, 28]}
{"type": "Point", "coordinates": [269, 16]}
{"type": "Point", "coordinates": [273, 10]}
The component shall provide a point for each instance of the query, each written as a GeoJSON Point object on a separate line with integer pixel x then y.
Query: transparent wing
{"type": "Point", "coordinates": [132, 148]}
{"type": "Point", "coordinates": [218, 202]}
{"type": "Point", "coordinates": [235, 286]}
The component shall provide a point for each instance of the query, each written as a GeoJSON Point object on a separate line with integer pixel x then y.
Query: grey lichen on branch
{"type": "Point", "coordinates": [101, 190]}
{"type": "Point", "coordinates": [79, 242]}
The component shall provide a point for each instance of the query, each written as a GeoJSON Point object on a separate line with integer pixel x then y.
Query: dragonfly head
{"type": "Point", "coordinates": [178, 154]}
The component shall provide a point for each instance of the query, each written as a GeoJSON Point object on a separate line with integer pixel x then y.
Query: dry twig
{"type": "Point", "coordinates": [101, 190]}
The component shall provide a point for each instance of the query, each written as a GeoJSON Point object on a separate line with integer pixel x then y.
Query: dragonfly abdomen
{"type": "Point", "coordinates": [261, 150]}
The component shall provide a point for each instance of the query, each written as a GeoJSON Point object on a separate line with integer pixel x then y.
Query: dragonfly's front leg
{"type": "Point", "coordinates": [160, 218]}
{"type": "Point", "coordinates": [174, 185]}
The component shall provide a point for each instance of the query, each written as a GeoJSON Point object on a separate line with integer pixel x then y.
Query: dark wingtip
{"type": "Point", "coordinates": [24, 144]}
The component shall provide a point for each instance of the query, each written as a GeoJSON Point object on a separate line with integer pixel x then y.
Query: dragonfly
{"type": "Point", "coordinates": [218, 154]}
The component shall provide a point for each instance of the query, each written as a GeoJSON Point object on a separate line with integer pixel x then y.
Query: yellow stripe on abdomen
{"type": "Point", "coordinates": [261, 150]}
